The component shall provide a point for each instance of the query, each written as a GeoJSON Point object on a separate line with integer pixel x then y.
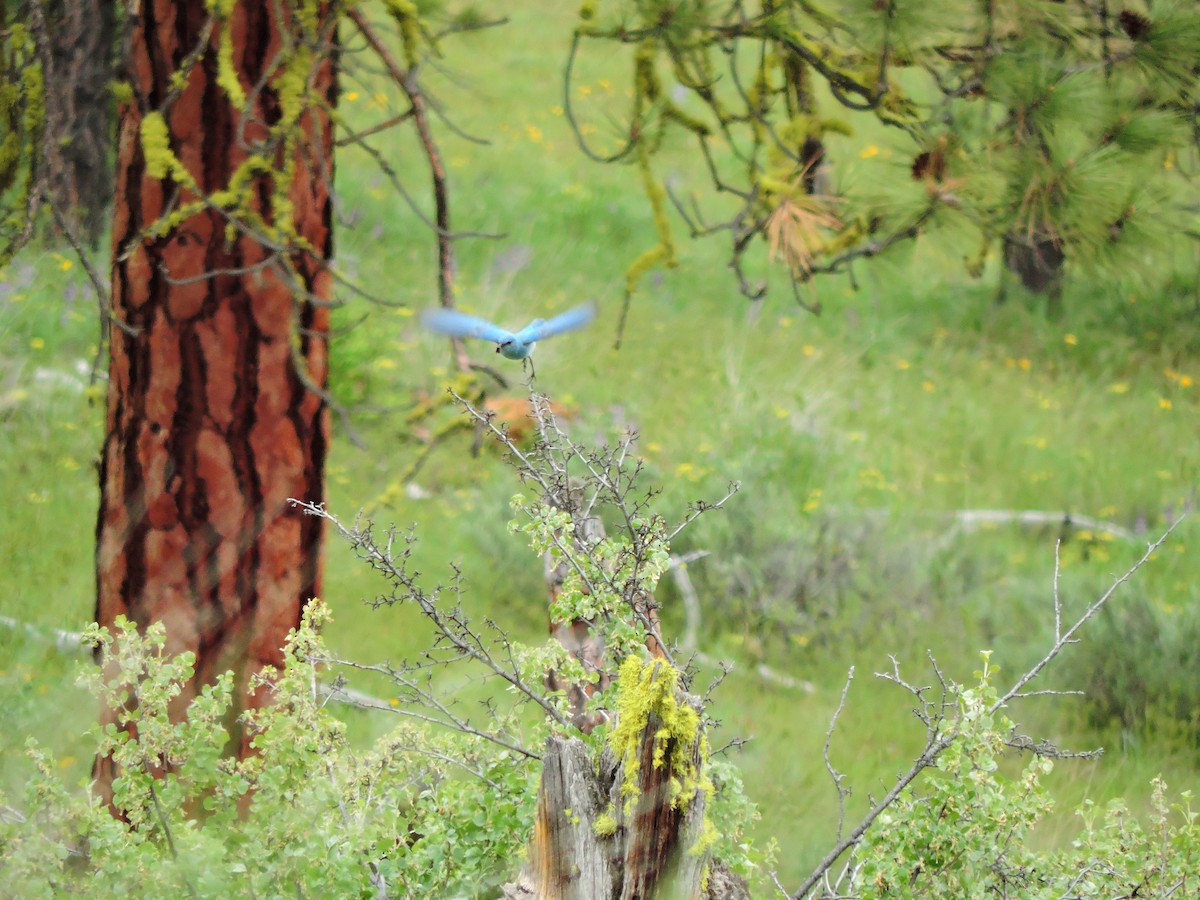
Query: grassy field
{"type": "Point", "coordinates": [857, 437]}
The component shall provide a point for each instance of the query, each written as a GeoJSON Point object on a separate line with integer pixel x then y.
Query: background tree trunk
{"type": "Point", "coordinates": [211, 423]}
{"type": "Point", "coordinates": [78, 62]}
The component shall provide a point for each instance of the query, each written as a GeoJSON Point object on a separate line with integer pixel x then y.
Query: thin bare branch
{"type": "Point", "coordinates": [1067, 636]}
{"type": "Point", "coordinates": [452, 626]}
{"type": "Point", "coordinates": [836, 776]}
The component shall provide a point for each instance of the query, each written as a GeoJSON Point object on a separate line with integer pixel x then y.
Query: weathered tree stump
{"type": "Point", "coordinates": [594, 841]}
{"type": "Point", "coordinates": [627, 820]}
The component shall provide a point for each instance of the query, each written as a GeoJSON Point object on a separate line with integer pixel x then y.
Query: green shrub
{"type": "Point", "coordinates": [966, 832]}
{"type": "Point", "coordinates": [322, 819]}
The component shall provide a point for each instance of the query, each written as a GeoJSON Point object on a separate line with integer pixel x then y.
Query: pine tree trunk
{"type": "Point", "coordinates": [211, 423]}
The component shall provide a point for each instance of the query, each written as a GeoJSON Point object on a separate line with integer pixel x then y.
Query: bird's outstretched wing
{"type": "Point", "coordinates": [572, 318]}
{"type": "Point", "coordinates": [458, 324]}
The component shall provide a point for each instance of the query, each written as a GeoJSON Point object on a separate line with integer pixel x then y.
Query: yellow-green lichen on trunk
{"type": "Point", "coordinates": [650, 689]}
{"type": "Point", "coordinates": [227, 74]}
{"type": "Point", "coordinates": [605, 824]}
{"type": "Point", "coordinates": [156, 146]}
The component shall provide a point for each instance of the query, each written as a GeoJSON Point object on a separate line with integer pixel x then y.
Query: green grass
{"type": "Point", "coordinates": [855, 436]}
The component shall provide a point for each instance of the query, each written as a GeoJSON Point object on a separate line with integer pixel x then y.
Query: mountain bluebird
{"type": "Point", "coordinates": [510, 345]}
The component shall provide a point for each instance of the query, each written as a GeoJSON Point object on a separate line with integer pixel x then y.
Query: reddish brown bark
{"type": "Point", "coordinates": [210, 426]}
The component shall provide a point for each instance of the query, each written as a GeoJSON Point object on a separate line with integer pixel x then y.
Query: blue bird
{"type": "Point", "coordinates": [508, 344]}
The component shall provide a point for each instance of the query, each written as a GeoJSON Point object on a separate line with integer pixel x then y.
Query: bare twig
{"type": "Point", "coordinates": [452, 625]}
{"type": "Point", "coordinates": [763, 672]}
{"type": "Point", "coordinates": [973, 518]}
{"type": "Point", "coordinates": [700, 507]}
{"type": "Point", "coordinates": [1057, 598]}
{"type": "Point", "coordinates": [838, 777]}
{"type": "Point", "coordinates": [691, 602]}
{"type": "Point", "coordinates": [1068, 636]}
{"type": "Point", "coordinates": [69, 642]}
{"type": "Point", "coordinates": [446, 718]}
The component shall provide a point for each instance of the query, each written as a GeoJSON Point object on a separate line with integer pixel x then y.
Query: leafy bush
{"type": "Point", "coordinates": [966, 833]}
{"type": "Point", "coordinates": [321, 818]}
